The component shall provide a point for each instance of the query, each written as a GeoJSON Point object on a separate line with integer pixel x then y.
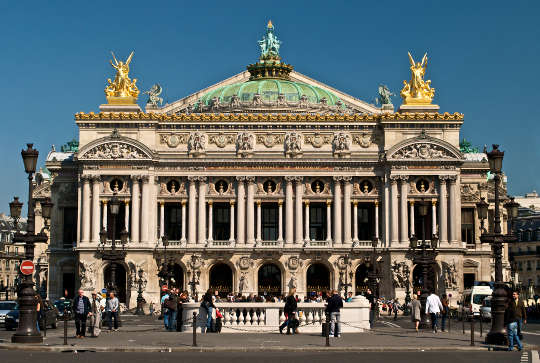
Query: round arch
{"type": "Point", "coordinates": [361, 278]}
{"type": "Point", "coordinates": [120, 282]}
{"type": "Point", "coordinates": [317, 278]}
{"type": "Point", "coordinates": [221, 279]}
{"type": "Point", "coordinates": [418, 278]}
{"type": "Point", "coordinates": [269, 280]}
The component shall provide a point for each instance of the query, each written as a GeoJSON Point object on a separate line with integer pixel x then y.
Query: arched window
{"type": "Point", "coordinates": [221, 279]}
{"type": "Point", "coordinates": [317, 278]}
{"type": "Point", "coordinates": [269, 280]}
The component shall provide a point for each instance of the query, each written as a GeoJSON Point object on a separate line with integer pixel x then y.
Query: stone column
{"type": "Point", "coordinates": [104, 214]}
{"type": "Point", "coordinates": [183, 238]}
{"type": "Point", "coordinates": [259, 221]}
{"type": "Point", "coordinates": [394, 208]}
{"type": "Point", "coordinates": [280, 220]}
{"type": "Point", "coordinates": [289, 216]}
{"type": "Point", "coordinates": [126, 215]}
{"type": "Point", "coordinates": [337, 210]}
{"type": "Point", "coordinates": [443, 215]}
{"type": "Point", "coordinates": [386, 211]}
{"type": "Point", "coordinates": [135, 206]}
{"type": "Point", "coordinates": [328, 221]}
{"type": "Point", "coordinates": [306, 224]}
{"type": "Point", "coordinates": [411, 216]}
{"type": "Point", "coordinates": [299, 217]}
{"type": "Point", "coordinates": [347, 190]}
{"type": "Point", "coordinates": [241, 201]}
{"type": "Point", "coordinates": [458, 214]}
{"type": "Point", "coordinates": [376, 219]}
{"type": "Point", "coordinates": [86, 218]}
{"type": "Point", "coordinates": [192, 214]}
{"type": "Point", "coordinates": [161, 219]}
{"type": "Point", "coordinates": [145, 209]}
{"type": "Point", "coordinates": [231, 220]}
{"type": "Point", "coordinates": [250, 211]}
{"type": "Point", "coordinates": [210, 221]}
{"type": "Point", "coordinates": [452, 209]}
{"type": "Point", "coordinates": [355, 221]}
{"type": "Point", "coordinates": [96, 220]}
{"type": "Point", "coordinates": [79, 210]}
{"type": "Point", "coordinates": [434, 217]}
{"type": "Point", "coordinates": [404, 233]}
{"type": "Point", "coordinates": [202, 210]}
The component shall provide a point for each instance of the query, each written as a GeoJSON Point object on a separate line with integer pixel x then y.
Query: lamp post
{"type": "Point", "coordinates": [497, 334]}
{"type": "Point", "coordinates": [141, 284]}
{"type": "Point", "coordinates": [373, 276]}
{"type": "Point", "coordinates": [27, 332]}
{"type": "Point", "coordinates": [407, 273]}
{"type": "Point", "coordinates": [194, 278]}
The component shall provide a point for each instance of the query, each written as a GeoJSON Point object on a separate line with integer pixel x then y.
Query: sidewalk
{"type": "Point", "coordinates": [146, 334]}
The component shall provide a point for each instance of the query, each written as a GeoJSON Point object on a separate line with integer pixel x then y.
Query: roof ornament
{"type": "Point", "coordinates": [153, 95]}
{"type": "Point", "coordinates": [269, 43]}
{"type": "Point", "coordinates": [417, 91]}
{"type": "Point", "coordinates": [385, 96]}
{"type": "Point", "coordinates": [122, 90]}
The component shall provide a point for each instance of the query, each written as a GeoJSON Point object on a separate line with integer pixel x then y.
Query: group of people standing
{"type": "Point", "coordinates": [94, 308]}
{"type": "Point", "coordinates": [171, 307]}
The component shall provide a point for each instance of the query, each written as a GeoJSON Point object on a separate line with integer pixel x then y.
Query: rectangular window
{"type": "Point", "coordinates": [119, 222]}
{"type": "Point", "coordinates": [269, 219]}
{"type": "Point", "coordinates": [467, 225]}
{"type": "Point", "coordinates": [529, 267]}
{"type": "Point", "coordinates": [173, 221]}
{"type": "Point", "coordinates": [317, 221]}
{"type": "Point", "coordinates": [69, 236]}
{"type": "Point", "coordinates": [365, 221]}
{"type": "Point", "coordinates": [520, 266]}
{"type": "Point", "coordinates": [221, 221]}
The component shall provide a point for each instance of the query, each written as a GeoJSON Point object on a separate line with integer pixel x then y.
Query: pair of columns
{"type": "Point", "coordinates": [162, 220]}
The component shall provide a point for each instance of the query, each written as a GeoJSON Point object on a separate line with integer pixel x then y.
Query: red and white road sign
{"type": "Point", "coordinates": [164, 288]}
{"type": "Point", "coordinates": [27, 267]}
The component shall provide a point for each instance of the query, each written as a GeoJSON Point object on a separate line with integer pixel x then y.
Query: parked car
{"type": "Point", "coordinates": [62, 305]}
{"type": "Point", "coordinates": [471, 301]}
{"type": "Point", "coordinates": [485, 310]}
{"type": "Point", "coordinates": [50, 317]}
{"type": "Point", "coordinates": [6, 307]}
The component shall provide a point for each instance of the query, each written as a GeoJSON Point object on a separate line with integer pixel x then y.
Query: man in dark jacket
{"type": "Point", "coordinates": [82, 309]}
{"type": "Point", "coordinates": [333, 307]}
{"type": "Point", "coordinates": [511, 323]}
{"type": "Point", "coordinates": [521, 312]}
{"type": "Point", "coordinates": [290, 313]}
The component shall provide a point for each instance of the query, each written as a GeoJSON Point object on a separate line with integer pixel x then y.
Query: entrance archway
{"type": "Point", "coordinates": [178, 275]}
{"type": "Point", "coordinates": [317, 278]}
{"type": "Point", "coordinates": [120, 280]}
{"type": "Point", "coordinates": [361, 277]}
{"type": "Point", "coordinates": [221, 279]}
{"type": "Point", "coordinates": [418, 278]}
{"type": "Point", "coordinates": [269, 280]}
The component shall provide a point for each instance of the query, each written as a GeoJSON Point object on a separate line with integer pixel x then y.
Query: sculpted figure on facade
{"type": "Point", "coordinates": [342, 143]}
{"type": "Point", "coordinates": [197, 143]}
{"type": "Point", "coordinates": [243, 284]}
{"type": "Point", "coordinates": [122, 86]}
{"type": "Point", "coordinates": [385, 96]}
{"type": "Point", "coordinates": [421, 151]}
{"type": "Point", "coordinates": [417, 91]}
{"type": "Point", "coordinates": [293, 282]}
{"type": "Point", "coordinates": [245, 142]}
{"type": "Point", "coordinates": [153, 96]}
{"type": "Point", "coordinates": [87, 276]}
{"type": "Point", "coordinates": [399, 279]}
{"type": "Point", "coordinates": [293, 144]}
{"type": "Point", "coordinates": [114, 150]}
{"type": "Point", "coordinates": [449, 273]}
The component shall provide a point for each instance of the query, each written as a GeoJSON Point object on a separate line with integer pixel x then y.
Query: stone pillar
{"type": "Point", "coordinates": [210, 221]}
{"type": "Point", "coordinates": [347, 190]}
{"type": "Point", "coordinates": [306, 224]}
{"type": "Point", "coordinates": [299, 217]}
{"type": "Point", "coordinates": [458, 215]}
{"type": "Point", "coordinates": [394, 207]}
{"type": "Point", "coordinates": [145, 209]}
{"type": "Point", "coordinates": [337, 210]}
{"type": "Point", "coordinates": [79, 210]}
{"type": "Point", "coordinates": [161, 219]}
{"type": "Point", "coordinates": [232, 221]}
{"type": "Point", "coordinates": [411, 216]}
{"type": "Point", "coordinates": [86, 218]}
{"type": "Point", "coordinates": [328, 221]}
{"type": "Point", "coordinates": [202, 210]}
{"type": "Point", "coordinates": [259, 221]}
{"type": "Point", "coordinates": [289, 216]}
{"type": "Point", "coordinates": [443, 210]}
{"type": "Point", "coordinates": [241, 201]}
{"type": "Point", "coordinates": [135, 206]}
{"type": "Point", "coordinates": [104, 214]}
{"type": "Point", "coordinates": [192, 215]}
{"type": "Point", "coordinates": [280, 220]}
{"type": "Point", "coordinates": [452, 209]}
{"type": "Point", "coordinates": [386, 211]}
{"type": "Point", "coordinates": [96, 220]}
{"type": "Point", "coordinates": [434, 217]}
{"type": "Point", "coordinates": [355, 221]}
{"type": "Point", "coordinates": [183, 239]}
{"type": "Point", "coordinates": [250, 211]}
{"type": "Point", "coordinates": [404, 233]}
{"type": "Point", "coordinates": [376, 219]}
{"type": "Point", "coordinates": [126, 215]}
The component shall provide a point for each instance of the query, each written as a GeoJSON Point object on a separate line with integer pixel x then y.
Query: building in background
{"type": "Point", "coordinates": [10, 255]}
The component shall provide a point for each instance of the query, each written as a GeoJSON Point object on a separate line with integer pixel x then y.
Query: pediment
{"type": "Point", "coordinates": [423, 147]}
{"type": "Point", "coordinates": [470, 263]}
{"type": "Point", "coordinates": [115, 147]}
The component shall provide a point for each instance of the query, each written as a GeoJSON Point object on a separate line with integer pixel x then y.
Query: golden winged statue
{"type": "Point", "coordinates": [122, 90]}
{"type": "Point", "coordinates": [417, 91]}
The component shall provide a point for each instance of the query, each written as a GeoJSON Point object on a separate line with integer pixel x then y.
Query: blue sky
{"type": "Point", "coordinates": [483, 61]}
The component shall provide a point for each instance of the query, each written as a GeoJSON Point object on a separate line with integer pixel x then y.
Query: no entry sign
{"type": "Point", "coordinates": [27, 267]}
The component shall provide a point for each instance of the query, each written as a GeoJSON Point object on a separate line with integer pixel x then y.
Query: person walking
{"type": "Point", "coordinates": [395, 308]}
{"type": "Point", "coordinates": [111, 308]}
{"type": "Point", "coordinates": [95, 318]}
{"type": "Point", "coordinates": [333, 307]}
{"type": "Point", "coordinates": [445, 311]}
{"type": "Point", "coordinates": [289, 310]}
{"type": "Point", "coordinates": [39, 311]}
{"type": "Point", "coordinates": [511, 323]}
{"type": "Point", "coordinates": [82, 309]}
{"type": "Point", "coordinates": [521, 313]}
{"type": "Point", "coordinates": [172, 306]}
{"type": "Point", "coordinates": [164, 310]}
{"type": "Point", "coordinates": [433, 308]}
{"type": "Point", "coordinates": [416, 316]}
{"type": "Point", "coordinates": [208, 306]}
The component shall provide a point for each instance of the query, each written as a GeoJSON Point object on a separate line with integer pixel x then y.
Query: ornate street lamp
{"type": "Point", "coordinates": [373, 276]}
{"type": "Point", "coordinates": [27, 332]}
{"type": "Point", "coordinates": [195, 274]}
{"type": "Point", "coordinates": [512, 207]}
{"type": "Point", "coordinates": [497, 334]}
{"type": "Point", "coordinates": [141, 284]}
{"type": "Point", "coordinates": [482, 208]}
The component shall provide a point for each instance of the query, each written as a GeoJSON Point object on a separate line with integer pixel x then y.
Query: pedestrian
{"type": "Point", "coordinates": [395, 308]}
{"type": "Point", "coordinates": [445, 311]}
{"type": "Point", "coordinates": [111, 308]}
{"type": "Point", "coordinates": [208, 306]}
{"type": "Point", "coordinates": [82, 309]}
{"type": "Point", "coordinates": [172, 306]}
{"type": "Point", "coordinates": [95, 318]}
{"type": "Point", "coordinates": [289, 310]}
{"type": "Point", "coordinates": [521, 313]}
{"type": "Point", "coordinates": [333, 307]}
{"type": "Point", "coordinates": [164, 310]}
{"type": "Point", "coordinates": [416, 308]}
{"type": "Point", "coordinates": [511, 323]}
{"type": "Point", "coordinates": [39, 311]}
{"type": "Point", "coordinates": [433, 308]}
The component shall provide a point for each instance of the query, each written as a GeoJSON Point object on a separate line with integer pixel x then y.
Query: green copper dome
{"type": "Point", "coordinates": [269, 90]}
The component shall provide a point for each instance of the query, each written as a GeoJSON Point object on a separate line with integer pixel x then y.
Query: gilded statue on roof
{"type": "Point", "coordinates": [122, 89]}
{"type": "Point", "coordinates": [269, 43]}
{"type": "Point", "coordinates": [417, 91]}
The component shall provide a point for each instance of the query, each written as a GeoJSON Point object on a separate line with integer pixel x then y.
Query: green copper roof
{"type": "Point", "coordinates": [269, 89]}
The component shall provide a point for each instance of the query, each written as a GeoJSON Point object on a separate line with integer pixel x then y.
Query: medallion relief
{"type": "Point", "coordinates": [173, 140]}
{"type": "Point", "coordinates": [317, 140]}
{"type": "Point", "coordinates": [363, 140]}
{"type": "Point", "coordinates": [221, 140]}
{"type": "Point", "coordinates": [270, 139]}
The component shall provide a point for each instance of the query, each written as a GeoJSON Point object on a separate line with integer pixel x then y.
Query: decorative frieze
{"type": "Point", "coordinates": [221, 140]}
{"type": "Point", "coordinates": [173, 140]}
{"type": "Point", "coordinates": [317, 140]}
{"type": "Point", "coordinates": [114, 150]}
{"type": "Point", "coordinates": [270, 139]}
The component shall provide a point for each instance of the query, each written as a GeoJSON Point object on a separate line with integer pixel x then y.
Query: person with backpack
{"type": "Point", "coordinates": [333, 307]}
{"type": "Point", "coordinates": [164, 310]}
{"type": "Point", "coordinates": [290, 313]}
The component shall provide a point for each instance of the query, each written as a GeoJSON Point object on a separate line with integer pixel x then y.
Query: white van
{"type": "Point", "coordinates": [471, 301]}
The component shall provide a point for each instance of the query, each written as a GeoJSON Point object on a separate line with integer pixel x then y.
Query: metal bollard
{"type": "Point", "coordinates": [481, 322]}
{"type": "Point", "coordinates": [449, 321]}
{"type": "Point", "coordinates": [65, 327]}
{"type": "Point", "coordinates": [472, 332]}
{"type": "Point", "coordinates": [194, 329]}
{"type": "Point", "coordinates": [463, 322]}
{"type": "Point", "coordinates": [327, 330]}
{"type": "Point", "coordinates": [45, 325]}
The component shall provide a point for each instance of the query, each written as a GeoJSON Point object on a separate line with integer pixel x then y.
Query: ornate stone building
{"type": "Point", "coordinates": [266, 181]}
